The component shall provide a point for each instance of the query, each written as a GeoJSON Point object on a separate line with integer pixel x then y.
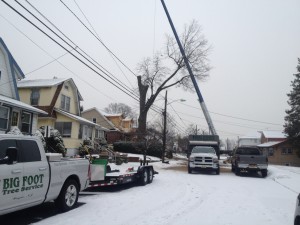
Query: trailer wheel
{"type": "Point", "coordinates": [150, 175]}
{"type": "Point", "coordinates": [68, 196]}
{"type": "Point", "coordinates": [144, 177]}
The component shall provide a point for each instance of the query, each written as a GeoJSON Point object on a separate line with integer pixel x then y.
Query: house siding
{"type": "Point", "coordinates": [5, 82]}
{"type": "Point", "coordinates": [279, 159]}
{"type": "Point", "coordinates": [70, 92]}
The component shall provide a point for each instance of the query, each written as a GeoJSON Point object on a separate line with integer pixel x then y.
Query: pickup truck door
{"type": "Point", "coordinates": [36, 172]}
{"type": "Point", "coordinates": [11, 196]}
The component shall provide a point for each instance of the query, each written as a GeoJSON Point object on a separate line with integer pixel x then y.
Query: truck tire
{"type": "Point", "coordinates": [264, 173]}
{"type": "Point", "coordinates": [189, 169]}
{"type": "Point", "coordinates": [237, 171]}
{"type": "Point", "coordinates": [68, 196]}
{"type": "Point", "coordinates": [218, 171]}
{"type": "Point", "coordinates": [144, 177]}
{"type": "Point", "coordinates": [232, 168]}
{"type": "Point", "coordinates": [150, 175]}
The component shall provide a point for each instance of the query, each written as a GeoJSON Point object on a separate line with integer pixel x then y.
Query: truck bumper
{"type": "Point", "coordinates": [213, 166]}
{"type": "Point", "coordinates": [253, 167]}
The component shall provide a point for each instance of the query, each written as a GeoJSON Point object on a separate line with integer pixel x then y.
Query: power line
{"type": "Point", "coordinates": [234, 117]}
{"type": "Point", "coordinates": [98, 38]}
{"type": "Point", "coordinates": [102, 41]}
{"type": "Point", "coordinates": [107, 73]}
{"type": "Point", "coordinates": [54, 59]}
{"type": "Point", "coordinates": [63, 46]}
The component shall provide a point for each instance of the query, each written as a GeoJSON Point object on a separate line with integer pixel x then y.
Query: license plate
{"type": "Point", "coordinates": [252, 166]}
{"type": "Point", "coordinates": [203, 166]}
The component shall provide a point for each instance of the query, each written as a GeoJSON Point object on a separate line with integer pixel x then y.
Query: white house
{"type": "Point", "coordinates": [13, 112]}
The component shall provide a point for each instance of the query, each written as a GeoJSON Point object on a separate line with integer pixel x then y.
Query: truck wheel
{"type": "Point", "coordinates": [68, 196]}
{"type": "Point", "coordinates": [232, 168]}
{"type": "Point", "coordinates": [264, 173]}
{"type": "Point", "coordinates": [218, 171]}
{"type": "Point", "coordinates": [144, 177]}
{"type": "Point", "coordinates": [189, 169]}
{"type": "Point", "coordinates": [237, 171]}
{"type": "Point", "coordinates": [150, 175]}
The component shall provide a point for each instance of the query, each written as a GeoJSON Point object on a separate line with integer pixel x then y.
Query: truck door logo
{"type": "Point", "coordinates": [19, 184]}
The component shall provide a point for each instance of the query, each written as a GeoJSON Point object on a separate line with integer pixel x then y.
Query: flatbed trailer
{"type": "Point", "coordinates": [103, 174]}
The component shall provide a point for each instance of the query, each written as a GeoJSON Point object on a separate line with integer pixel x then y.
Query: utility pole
{"type": "Point", "coordinates": [165, 130]}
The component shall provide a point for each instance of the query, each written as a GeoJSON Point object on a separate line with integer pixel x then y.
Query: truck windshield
{"type": "Point", "coordinates": [247, 151]}
{"type": "Point", "coordinates": [203, 150]}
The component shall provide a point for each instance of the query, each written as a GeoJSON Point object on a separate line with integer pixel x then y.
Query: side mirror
{"type": "Point", "coordinates": [11, 155]}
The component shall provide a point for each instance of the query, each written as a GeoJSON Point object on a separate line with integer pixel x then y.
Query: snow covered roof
{"type": "Point", "coordinates": [251, 135]}
{"type": "Point", "coordinates": [274, 134]}
{"type": "Point", "coordinates": [22, 105]}
{"type": "Point", "coordinates": [269, 144]}
{"type": "Point", "coordinates": [80, 119]}
{"type": "Point", "coordinates": [113, 115]}
{"type": "Point", "coordinates": [127, 119]}
{"type": "Point", "coordinates": [41, 82]}
{"type": "Point", "coordinates": [46, 83]}
{"type": "Point", "coordinates": [102, 115]}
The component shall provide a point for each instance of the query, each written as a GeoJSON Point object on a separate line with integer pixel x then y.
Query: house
{"type": "Point", "coordinates": [125, 125]}
{"type": "Point", "coordinates": [270, 136]}
{"type": "Point", "coordinates": [112, 134]}
{"type": "Point", "coordinates": [253, 139]}
{"type": "Point", "coordinates": [60, 98]}
{"type": "Point", "coordinates": [13, 112]}
{"type": "Point", "coordinates": [281, 153]}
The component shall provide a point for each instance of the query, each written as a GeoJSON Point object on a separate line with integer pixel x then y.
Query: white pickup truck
{"type": "Point", "coordinates": [203, 158]}
{"type": "Point", "coordinates": [29, 176]}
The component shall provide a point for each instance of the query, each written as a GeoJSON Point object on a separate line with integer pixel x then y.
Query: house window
{"type": "Point", "coordinates": [65, 103]}
{"type": "Point", "coordinates": [87, 132]}
{"type": "Point", "coordinates": [35, 96]}
{"type": "Point", "coordinates": [270, 152]}
{"type": "Point", "coordinates": [4, 113]}
{"type": "Point", "coordinates": [286, 151]}
{"type": "Point", "coordinates": [26, 120]}
{"type": "Point", "coordinates": [15, 119]}
{"type": "Point", "coordinates": [66, 87]}
{"type": "Point", "coordinates": [94, 120]}
{"type": "Point", "coordinates": [64, 128]}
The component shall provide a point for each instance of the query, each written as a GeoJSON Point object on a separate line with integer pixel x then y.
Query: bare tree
{"type": "Point", "coordinates": [120, 108]}
{"type": "Point", "coordinates": [156, 76]}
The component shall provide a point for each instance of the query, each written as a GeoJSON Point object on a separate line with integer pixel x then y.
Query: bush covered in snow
{"type": "Point", "coordinates": [54, 143]}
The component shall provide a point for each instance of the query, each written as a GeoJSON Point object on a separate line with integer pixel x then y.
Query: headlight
{"type": "Point", "coordinates": [215, 160]}
{"type": "Point", "coordinates": [192, 158]}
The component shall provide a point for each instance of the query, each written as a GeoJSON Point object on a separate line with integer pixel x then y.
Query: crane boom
{"type": "Point", "coordinates": [201, 100]}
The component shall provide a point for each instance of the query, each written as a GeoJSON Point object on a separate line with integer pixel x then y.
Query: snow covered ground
{"type": "Point", "coordinates": [176, 198]}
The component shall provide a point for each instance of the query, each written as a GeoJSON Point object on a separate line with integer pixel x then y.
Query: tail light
{"type": "Point", "coordinates": [89, 172]}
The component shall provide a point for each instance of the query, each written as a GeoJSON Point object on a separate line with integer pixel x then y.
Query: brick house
{"type": "Point", "coordinates": [281, 153]}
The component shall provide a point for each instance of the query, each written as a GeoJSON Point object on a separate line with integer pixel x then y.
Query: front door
{"type": "Point", "coordinates": [10, 180]}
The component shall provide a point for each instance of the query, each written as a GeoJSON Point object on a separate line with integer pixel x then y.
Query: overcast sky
{"type": "Point", "coordinates": [255, 46]}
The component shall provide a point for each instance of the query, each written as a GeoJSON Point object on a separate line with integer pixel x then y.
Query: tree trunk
{"type": "Point", "coordinates": [143, 111]}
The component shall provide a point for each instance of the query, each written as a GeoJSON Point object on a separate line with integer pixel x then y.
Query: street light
{"type": "Point", "coordinates": [165, 124]}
